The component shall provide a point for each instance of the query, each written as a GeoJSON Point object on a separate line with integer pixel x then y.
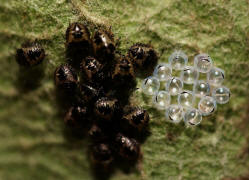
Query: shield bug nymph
{"type": "Point", "coordinates": [136, 118]}
{"type": "Point", "coordinates": [93, 71]}
{"type": "Point", "coordinates": [107, 108]}
{"type": "Point", "coordinates": [143, 56]}
{"type": "Point", "coordinates": [77, 33]}
{"type": "Point", "coordinates": [127, 148]}
{"type": "Point", "coordinates": [30, 54]}
{"type": "Point", "coordinates": [104, 45]}
{"type": "Point", "coordinates": [123, 70]}
{"type": "Point", "coordinates": [66, 78]}
{"type": "Point", "coordinates": [78, 43]}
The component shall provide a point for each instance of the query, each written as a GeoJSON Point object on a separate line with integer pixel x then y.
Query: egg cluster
{"type": "Point", "coordinates": [207, 92]}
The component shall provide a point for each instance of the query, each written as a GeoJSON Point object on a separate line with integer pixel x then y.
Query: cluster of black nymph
{"type": "Point", "coordinates": [97, 81]}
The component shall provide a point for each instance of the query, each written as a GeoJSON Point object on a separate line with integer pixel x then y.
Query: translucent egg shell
{"type": "Point", "coordinates": [215, 76]}
{"type": "Point", "coordinates": [150, 85]}
{"type": "Point", "coordinates": [192, 117]}
{"type": "Point", "coordinates": [174, 86]}
{"type": "Point", "coordinates": [221, 95]}
{"type": "Point", "coordinates": [178, 60]}
{"type": "Point", "coordinates": [162, 72]}
{"type": "Point", "coordinates": [207, 105]}
{"type": "Point", "coordinates": [186, 99]}
{"type": "Point", "coordinates": [189, 75]}
{"type": "Point", "coordinates": [201, 88]}
{"type": "Point", "coordinates": [161, 100]}
{"type": "Point", "coordinates": [174, 113]}
{"type": "Point", "coordinates": [203, 63]}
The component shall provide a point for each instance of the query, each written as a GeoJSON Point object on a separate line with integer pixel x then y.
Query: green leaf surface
{"type": "Point", "coordinates": [33, 144]}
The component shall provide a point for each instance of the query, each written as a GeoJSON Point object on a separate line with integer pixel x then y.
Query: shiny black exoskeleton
{"type": "Point", "coordinates": [123, 75]}
{"type": "Point", "coordinates": [93, 71]}
{"type": "Point", "coordinates": [30, 54]}
{"type": "Point", "coordinates": [91, 93]}
{"type": "Point", "coordinates": [143, 56]}
{"type": "Point", "coordinates": [107, 108]}
{"type": "Point", "coordinates": [90, 66]}
{"type": "Point", "coordinates": [135, 118]}
{"type": "Point", "coordinates": [127, 148]}
{"type": "Point", "coordinates": [104, 46]}
{"type": "Point", "coordinates": [66, 78]}
{"type": "Point", "coordinates": [77, 34]}
{"type": "Point", "coordinates": [78, 43]}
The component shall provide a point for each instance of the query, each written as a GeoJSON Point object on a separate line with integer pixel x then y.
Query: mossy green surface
{"type": "Point", "coordinates": [33, 145]}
